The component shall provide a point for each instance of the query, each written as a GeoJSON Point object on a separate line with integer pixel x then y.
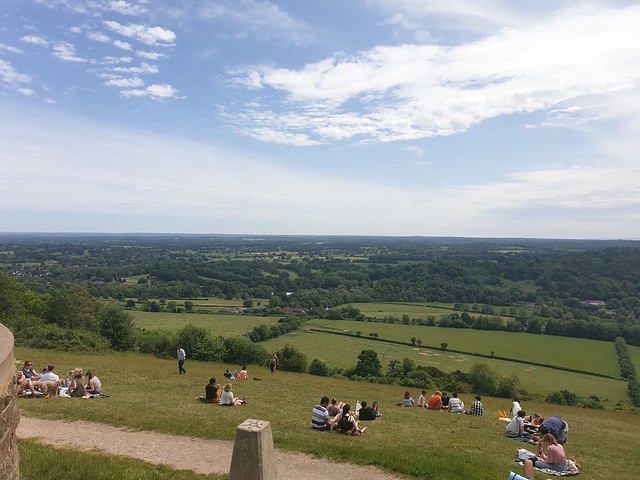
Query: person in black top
{"type": "Point", "coordinates": [366, 413]}
{"type": "Point", "coordinates": [212, 392]}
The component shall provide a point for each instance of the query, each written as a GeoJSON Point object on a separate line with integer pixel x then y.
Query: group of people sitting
{"type": "Point", "coordinates": [47, 383]}
{"type": "Point", "coordinates": [442, 401]}
{"type": "Point", "coordinates": [237, 375]}
{"type": "Point", "coordinates": [213, 393]}
{"type": "Point", "coordinates": [550, 435]}
{"type": "Point", "coordinates": [331, 415]}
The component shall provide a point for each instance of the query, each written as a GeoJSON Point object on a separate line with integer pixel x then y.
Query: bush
{"type": "Point", "coordinates": [320, 368]}
{"type": "Point", "coordinates": [116, 325]}
{"type": "Point", "coordinates": [292, 360]}
{"type": "Point", "coordinates": [562, 397]}
{"type": "Point", "coordinates": [483, 379]}
{"type": "Point", "coordinates": [508, 387]}
{"type": "Point", "coordinates": [161, 343]}
{"type": "Point", "coordinates": [242, 351]}
{"type": "Point", "coordinates": [368, 364]}
{"type": "Point", "coordinates": [199, 344]}
{"type": "Point", "coordinates": [54, 337]}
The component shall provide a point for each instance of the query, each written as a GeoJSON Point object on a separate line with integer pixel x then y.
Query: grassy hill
{"type": "Point", "coordinates": [147, 393]}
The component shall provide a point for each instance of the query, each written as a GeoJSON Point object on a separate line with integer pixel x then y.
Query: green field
{"type": "Point", "coordinates": [635, 357]}
{"type": "Point", "coordinates": [219, 324]}
{"type": "Point", "coordinates": [583, 354]}
{"type": "Point", "coordinates": [342, 352]}
{"type": "Point", "coordinates": [147, 393]}
{"type": "Point", "coordinates": [414, 310]}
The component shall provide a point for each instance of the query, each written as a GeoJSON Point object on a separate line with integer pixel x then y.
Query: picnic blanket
{"type": "Point", "coordinates": [572, 469]}
{"type": "Point", "coordinates": [30, 394]}
{"type": "Point", "coordinates": [520, 438]}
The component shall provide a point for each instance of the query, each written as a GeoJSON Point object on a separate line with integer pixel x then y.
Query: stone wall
{"type": "Point", "coordinates": [9, 415]}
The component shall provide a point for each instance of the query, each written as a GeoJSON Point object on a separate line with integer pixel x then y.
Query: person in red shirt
{"type": "Point", "coordinates": [435, 402]}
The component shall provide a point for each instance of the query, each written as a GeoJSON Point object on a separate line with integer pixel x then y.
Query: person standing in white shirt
{"type": "Point", "coordinates": [181, 358]}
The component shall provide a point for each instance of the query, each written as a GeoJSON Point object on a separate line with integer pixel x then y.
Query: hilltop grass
{"type": "Point", "coordinates": [38, 461]}
{"type": "Point", "coordinates": [219, 324]}
{"type": "Point", "coordinates": [579, 353]}
{"type": "Point", "coordinates": [147, 393]}
{"type": "Point", "coordinates": [342, 352]}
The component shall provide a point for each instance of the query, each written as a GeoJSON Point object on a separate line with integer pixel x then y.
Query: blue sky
{"type": "Point", "coordinates": [477, 118]}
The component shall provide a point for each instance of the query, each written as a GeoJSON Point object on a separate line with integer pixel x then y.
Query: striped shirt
{"type": "Point", "coordinates": [319, 417]}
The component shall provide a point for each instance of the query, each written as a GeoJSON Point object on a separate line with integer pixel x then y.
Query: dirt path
{"type": "Point", "coordinates": [184, 453]}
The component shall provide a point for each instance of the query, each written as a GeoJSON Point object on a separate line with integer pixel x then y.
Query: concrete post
{"type": "Point", "coordinates": [254, 457]}
{"type": "Point", "coordinates": [9, 414]}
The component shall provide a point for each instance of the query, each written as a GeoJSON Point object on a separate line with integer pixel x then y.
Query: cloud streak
{"type": "Point", "coordinates": [410, 92]}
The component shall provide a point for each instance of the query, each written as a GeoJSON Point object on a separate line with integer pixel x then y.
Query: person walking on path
{"type": "Point", "coordinates": [181, 358]}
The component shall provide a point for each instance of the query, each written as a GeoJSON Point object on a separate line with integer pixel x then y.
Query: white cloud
{"type": "Point", "coordinates": [27, 92]}
{"type": "Point", "coordinates": [67, 52]}
{"type": "Point", "coordinates": [131, 82]}
{"type": "Point", "coordinates": [35, 40]}
{"type": "Point", "coordinates": [122, 45]}
{"type": "Point", "coordinates": [8, 48]}
{"type": "Point", "coordinates": [150, 55]}
{"type": "Point", "coordinates": [98, 37]}
{"type": "Point", "coordinates": [116, 60]}
{"type": "Point", "coordinates": [155, 91]}
{"type": "Point", "coordinates": [125, 8]}
{"type": "Point", "coordinates": [143, 69]}
{"type": "Point", "coordinates": [410, 92]}
{"type": "Point", "coordinates": [143, 33]}
{"type": "Point", "coordinates": [10, 76]}
{"type": "Point", "coordinates": [415, 150]}
{"type": "Point", "coordinates": [75, 30]}
{"type": "Point", "coordinates": [50, 101]}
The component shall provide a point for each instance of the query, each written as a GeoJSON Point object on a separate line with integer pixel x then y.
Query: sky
{"type": "Point", "coordinates": [472, 118]}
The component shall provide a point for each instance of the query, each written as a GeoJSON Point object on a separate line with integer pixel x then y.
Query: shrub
{"type": "Point", "coordinates": [161, 343]}
{"type": "Point", "coordinates": [116, 325]}
{"type": "Point", "coordinates": [562, 397]}
{"type": "Point", "coordinates": [483, 379]}
{"type": "Point", "coordinates": [54, 337]}
{"type": "Point", "coordinates": [320, 368]}
{"type": "Point", "coordinates": [508, 387]}
{"type": "Point", "coordinates": [292, 360]}
{"type": "Point", "coordinates": [199, 344]}
{"type": "Point", "coordinates": [243, 351]}
{"type": "Point", "coordinates": [368, 364]}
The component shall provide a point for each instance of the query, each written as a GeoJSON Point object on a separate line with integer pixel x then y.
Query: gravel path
{"type": "Point", "coordinates": [184, 453]}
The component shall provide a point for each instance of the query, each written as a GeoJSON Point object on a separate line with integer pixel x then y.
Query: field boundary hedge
{"type": "Point", "coordinates": [474, 354]}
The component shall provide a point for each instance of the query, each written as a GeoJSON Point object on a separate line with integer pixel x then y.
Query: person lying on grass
{"type": "Point", "coordinates": [228, 399]}
{"type": "Point", "coordinates": [346, 422]}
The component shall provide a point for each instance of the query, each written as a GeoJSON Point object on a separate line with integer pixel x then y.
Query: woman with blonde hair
{"type": "Point", "coordinates": [228, 399]}
{"type": "Point", "coordinates": [77, 388]}
{"type": "Point", "coordinates": [554, 458]}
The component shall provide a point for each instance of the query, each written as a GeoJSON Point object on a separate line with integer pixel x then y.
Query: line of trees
{"type": "Point", "coordinates": [628, 370]}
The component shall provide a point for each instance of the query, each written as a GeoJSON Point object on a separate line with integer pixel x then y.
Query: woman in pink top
{"type": "Point", "coordinates": [554, 458]}
{"type": "Point", "coordinates": [242, 374]}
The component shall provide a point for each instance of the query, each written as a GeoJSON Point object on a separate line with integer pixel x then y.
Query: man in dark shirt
{"type": "Point", "coordinates": [212, 392]}
{"type": "Point", "coordinates": [366, 413]}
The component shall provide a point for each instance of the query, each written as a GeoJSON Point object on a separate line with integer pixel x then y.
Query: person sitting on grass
{"type": "Point", "coordinates": [243, 374]}
{"type": "Point", "coordinates": [27, 376]}
{"type": "Point", "coordinates": [422, 400]}
{"type": "Point", "coordinates": [455, 404]}
{"type": "Point", "coordinates": [320, 415]}
{"type": "Point", "coordinates": [77, 387]}
{"type": "Point", "coordinates": [346, 422]}
{"type": "Point", "coordinates": [554, 458]}
{"type": "Point", "coordinates": [211, 392]}
{"type": "Point", "coordinates": [435, 402]}
{"type": "Point", "coordinates": [228, 399]}
{"type": "Point", "coordinates": [477, 409]}
{"type": "Point", "coordinates": [335, 407]}
{"type": "Point", "coordinates": [407, 401]}
{"type": "Point", "coordinates": [515, 428]}
{"type": "Point", "coordinates": [368, 413]}
{"type": "Point", "coordinates": [94, 385]}
{"type": "Point", "coordinates": [445, 401]}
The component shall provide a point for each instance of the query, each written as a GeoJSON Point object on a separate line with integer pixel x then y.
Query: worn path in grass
{"type": "Point", "coordinates": [183, 453]}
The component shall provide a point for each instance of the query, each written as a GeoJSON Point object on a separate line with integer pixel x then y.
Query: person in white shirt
{"type": "Point", "coordinates": [455, 404]}
{"type": "Point", "coordinates": [49, 376]}
{"type": "Point", "coordinates": [515, 407]}
{"type": "Point", "coordinates": [516, 426]}
{"type": "Point", "coordinates": [94, 385]}
{"type": "Point", "coordinates": [181, 358]}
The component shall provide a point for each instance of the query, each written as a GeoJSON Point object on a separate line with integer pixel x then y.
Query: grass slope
{"type": "Point", "coordinates": [38, 461]}
{"type": "Point", "coordinates": [147, 393]}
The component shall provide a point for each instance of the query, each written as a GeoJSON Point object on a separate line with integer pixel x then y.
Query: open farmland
{"type": "Point", "coordinates": [421, 439]}
{"type": "Point", "coordinates": [342, 352]}
{"type": "Point", "coordinates": [414, 310]}
{"type": "Point", "coordinates": [219, 324]}
{"type": "Point", "coordinates": [582, 354]}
